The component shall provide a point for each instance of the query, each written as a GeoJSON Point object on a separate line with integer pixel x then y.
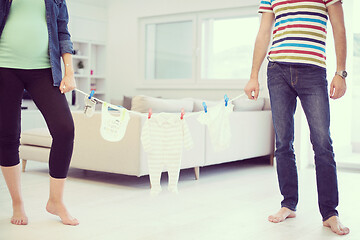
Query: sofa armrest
{"type": "Point", "coordinates": [92, 152]}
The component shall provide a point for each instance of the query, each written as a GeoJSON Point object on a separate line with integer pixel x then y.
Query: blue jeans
{"type": "Point", "coordinates": [286, 83]}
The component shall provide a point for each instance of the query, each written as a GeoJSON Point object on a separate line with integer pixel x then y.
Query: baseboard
{"type": "Point", "coordinates": [342, 150]}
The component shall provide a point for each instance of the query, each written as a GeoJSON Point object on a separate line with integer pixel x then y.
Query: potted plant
{"type": "Point", "coordinates": [80, 67]}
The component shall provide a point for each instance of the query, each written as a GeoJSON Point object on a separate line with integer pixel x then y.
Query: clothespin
{"type": "Point", "coordinates": [205, 107]}
{"type": "Point", "coordinates": [182, 114]}
{"type": "Point", "coordinates": [91, 94]}
{"type": "Point", "coordinates": [150, 113]}
{"type": "Point", "coordinates": [226, 100]}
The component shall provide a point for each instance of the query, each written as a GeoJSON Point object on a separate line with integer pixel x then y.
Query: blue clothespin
{"type": "Point", "coordinates": [226, 100]}
{"type": "Point", "coordinates": [205, 107]}
{"type": "Point", "coordinates": [91, 94]}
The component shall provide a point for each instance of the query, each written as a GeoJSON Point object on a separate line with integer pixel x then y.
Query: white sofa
{"type": "Point", "coordinates": [252, 136]}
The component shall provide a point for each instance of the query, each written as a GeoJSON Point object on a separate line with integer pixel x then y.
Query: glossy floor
{"type": "Point", "coordinates": [230, 201]}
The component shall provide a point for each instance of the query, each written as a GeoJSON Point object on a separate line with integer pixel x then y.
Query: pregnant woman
{"type": "Point", "coordinates": [33, 38]}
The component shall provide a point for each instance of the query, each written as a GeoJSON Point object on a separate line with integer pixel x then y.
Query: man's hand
{"type": "Point", "coordinates": [252, 86]}
{"type": "Point", "coordinates": [337, 87]}
{"type": "Point", "coordinates": [67, 84]}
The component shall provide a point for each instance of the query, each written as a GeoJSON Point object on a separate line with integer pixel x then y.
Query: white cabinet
{"type": "Point", "coordinates": [90, 69]}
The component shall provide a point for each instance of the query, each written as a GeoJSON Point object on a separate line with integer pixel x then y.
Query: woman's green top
{"type": "Point", "coordinates": [24, 43]}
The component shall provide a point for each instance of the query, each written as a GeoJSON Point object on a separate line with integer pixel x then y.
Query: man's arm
{"type": "Point", "coordinates": [336, 15]}
{"type": "Point", "coordinates": [261, 46]}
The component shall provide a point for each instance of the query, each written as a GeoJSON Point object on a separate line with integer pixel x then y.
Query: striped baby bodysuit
{"type": "Point", "coordinates": [299, 34]}
{"type": "Point", "coordinates": [164, 136]}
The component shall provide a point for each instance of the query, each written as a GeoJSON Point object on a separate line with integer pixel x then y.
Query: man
{"type": "Point", "coordinates": [297, 69]}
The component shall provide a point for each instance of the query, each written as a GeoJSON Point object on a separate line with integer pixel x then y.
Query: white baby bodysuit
{"type": "Point", "coordinates": [163, 136]}
{"type": "Point", "coordinates": [89, 109]}
{"type": "Point", "coordinates": [113, 126]}
{"type": "Point", "coordinates": [217, 121]}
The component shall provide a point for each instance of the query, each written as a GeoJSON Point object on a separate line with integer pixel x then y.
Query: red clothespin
{"type": "Point", "coordinates": [182, 114]}
{"type": "Point", "coordinates": [150, 113]}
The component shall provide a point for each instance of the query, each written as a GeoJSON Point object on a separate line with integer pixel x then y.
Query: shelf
{"type": "Point", "coordinates": [97, 76]}
{"type": "Point", "coordinates": [93, 57]}
{"type": "Point", "coordinates": [81, 75]}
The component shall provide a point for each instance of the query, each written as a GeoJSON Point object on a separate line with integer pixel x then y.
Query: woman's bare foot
{"type": "Point", "coordinates": [335, 225]}
{"type": "Point", "coordinates": [281, 215]}
{"type": "Point", "coordinates": [12, 177]}
{"type": "Point", "coordinates": [59, 209]}
{"type": "Point", "coordinates": [19, 216]}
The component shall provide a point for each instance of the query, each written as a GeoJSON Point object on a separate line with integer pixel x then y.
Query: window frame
{"type": "Point", "coordinates": [195, 82]}
{"type": "Point", "coordinates": [223, 14]}
{"type": "Point", "coordinates": [159, 83]}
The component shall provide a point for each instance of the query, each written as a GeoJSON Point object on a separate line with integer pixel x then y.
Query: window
{"type": "Point", "coordinates": [169, 50]}
{"type": "Point", "coordinates": [227, 47]}
{"type": "Point", "coordinates": [200, 50]}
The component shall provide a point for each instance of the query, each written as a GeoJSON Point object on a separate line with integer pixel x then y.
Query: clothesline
{"type": "Point", "coordinates": [174, 130]}
{"type": "Point", "coordinates": [144, 114]}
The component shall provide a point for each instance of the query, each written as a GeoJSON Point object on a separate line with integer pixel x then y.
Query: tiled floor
{"type": "Point", "coordinates": [230, 201]}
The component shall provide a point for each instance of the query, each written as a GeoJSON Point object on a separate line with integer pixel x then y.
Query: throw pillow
{"type": "Point", "coordinates": [142, 104]}
{"type": "Point", "coordinates": [199, 107]}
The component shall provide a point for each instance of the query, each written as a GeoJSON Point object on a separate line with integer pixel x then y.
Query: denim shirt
{"type": "Point", "coordinates": [57, 19]}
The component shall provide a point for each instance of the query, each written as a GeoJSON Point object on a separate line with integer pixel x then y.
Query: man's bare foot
{"type": "Point", "coordinates": [335, 225]}
{"type": "Point", "coordinates": [19, 216]}
{"type": "Point", "coordinates": [59, 209]}
{"type": "Point", "coordinates": [281, 215]}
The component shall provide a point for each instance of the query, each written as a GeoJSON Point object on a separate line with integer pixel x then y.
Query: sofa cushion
{"type": "Point", "coordinates": [142, 104]}
{"type": "Point", "coordinates": [245, 104]}
{"type": "Point", "coordinates": [267, 105]}
{"type": "Point", "coordinates": [36, 137]}
{"type": "Point", "coordinates": [116, 101]}
{"type": "Point", "coordinates": [199, 107]}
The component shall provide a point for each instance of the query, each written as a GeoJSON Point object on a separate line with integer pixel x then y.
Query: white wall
{"type": "Point", "coordinates": [123, 65]}
{"type": "Point", "coordinates": [87, 21]}
{"type": "Point", "coordinates": [355, 126]}
{"type": "Point", "coordinates": [341, 109]}
{"type": "Point", "coordinates": [356, 89]}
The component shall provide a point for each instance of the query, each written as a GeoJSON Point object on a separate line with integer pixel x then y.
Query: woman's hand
{"type": "Point", "coordinates": [68, 83]}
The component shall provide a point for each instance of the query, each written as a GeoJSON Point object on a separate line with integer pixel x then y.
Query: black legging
{"type": "Point", "coordinates": [53, 106]}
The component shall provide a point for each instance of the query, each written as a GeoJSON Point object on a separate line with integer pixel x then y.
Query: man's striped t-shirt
{"type": "Point", "coordinates": [299, 34]}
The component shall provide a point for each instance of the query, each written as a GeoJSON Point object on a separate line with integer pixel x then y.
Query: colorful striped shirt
{"type": "Point", "coordinates": [299, 34]}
